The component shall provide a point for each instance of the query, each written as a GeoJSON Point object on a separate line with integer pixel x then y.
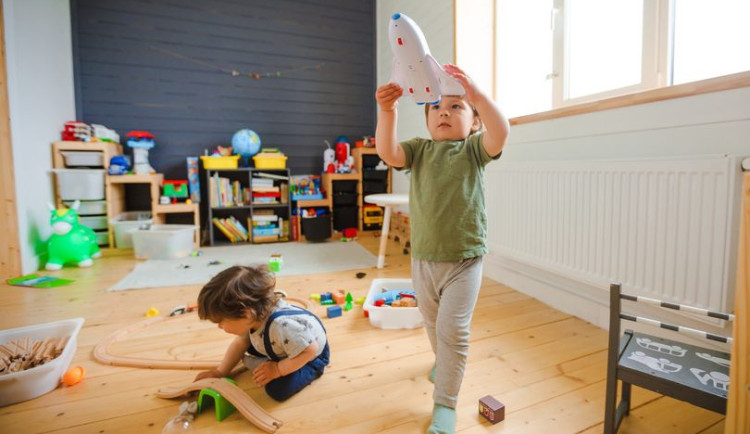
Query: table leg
{"type": "Point", "coordinates": [384, 236]}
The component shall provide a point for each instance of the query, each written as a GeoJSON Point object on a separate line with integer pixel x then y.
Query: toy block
{"type": "Point", "coordinates": [492, 409]}
{"type": "Point", "coordinates": [334, 311]}
{"type": "Point", "coordinates": [339, 297]}
{"type": "Point", "coordinates": [223, 407]}
{"type": "Point", "coordinates": [325, 297]}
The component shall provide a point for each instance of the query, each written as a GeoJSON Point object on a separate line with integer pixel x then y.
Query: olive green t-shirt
{"type": "Point", "coordinates": [446, 198]}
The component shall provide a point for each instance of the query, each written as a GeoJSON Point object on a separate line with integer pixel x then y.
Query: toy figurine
{"type": "Point", "coordinates": [329, 159]}
{"type": "Point", "coordinates": [140, 142]}
{"type": "Point", "coordinates": [71, 242]}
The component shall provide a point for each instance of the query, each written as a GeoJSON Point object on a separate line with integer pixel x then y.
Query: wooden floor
{"type": "Point", "coordinates": [548, 368]}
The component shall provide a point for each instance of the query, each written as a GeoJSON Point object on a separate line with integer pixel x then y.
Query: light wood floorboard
{"type": "Point", "coordinates": [547, 367]}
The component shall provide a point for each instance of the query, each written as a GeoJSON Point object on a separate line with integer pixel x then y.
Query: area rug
{"type": "Point", "coordinates": [298, 258]}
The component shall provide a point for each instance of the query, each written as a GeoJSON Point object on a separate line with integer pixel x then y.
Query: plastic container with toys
{"type": "Point", "coordinates": [163, 241]}
{"type": "Point", "coordinates": [387, 317]}
{"type": "Point", "coordinates": [30, 383]}
{"type": "Point", "coordinates": [211, 162]}
{"type": "Point", "coordinates": [127, 222]}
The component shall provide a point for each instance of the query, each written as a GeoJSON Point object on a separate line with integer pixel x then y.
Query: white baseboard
{"type": "Point", "coordinates": [578, 299]}
{"type": "Point", "coordinates": [591, 303]}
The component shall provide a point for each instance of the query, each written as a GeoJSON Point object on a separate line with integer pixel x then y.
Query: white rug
{"type": "Point", "coordinates": [299, 258]}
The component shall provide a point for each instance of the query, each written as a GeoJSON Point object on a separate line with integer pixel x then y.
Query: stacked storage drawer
{"type": "Point", "coordinates": [345, 209]}
{"type": "Point", "coordinates": [373, 182]}
{"type": "Point", "coordinates": [83, 179]}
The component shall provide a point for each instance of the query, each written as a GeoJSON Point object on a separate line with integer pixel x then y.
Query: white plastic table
{"type": "Point", "coordinates": [388, 201]}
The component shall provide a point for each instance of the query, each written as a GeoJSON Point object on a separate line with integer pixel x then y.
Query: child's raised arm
{"type": "Point", "coordinates": [386, 142]}
{"type": "Point", "coordinates": [495, 124]}
{"type": "Point", "coordinates": [233, 355]}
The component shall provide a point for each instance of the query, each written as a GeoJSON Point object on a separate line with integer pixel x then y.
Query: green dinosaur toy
{"type": "Point", "coordinates": [71, 242]}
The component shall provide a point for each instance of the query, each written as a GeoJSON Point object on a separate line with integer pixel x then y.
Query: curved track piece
{"type": "Point", "coordinates": [242, 401]}
{"type": "Point", "coordinates": [101, 350]}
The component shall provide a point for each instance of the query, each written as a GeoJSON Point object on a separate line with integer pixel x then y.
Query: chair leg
{"type": "Point", "coordinates": [610, 406]}
{"type": "Point", "coordinates": [626, 397]}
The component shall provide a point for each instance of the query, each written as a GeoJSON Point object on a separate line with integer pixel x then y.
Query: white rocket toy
{"type": "Point", "coordinates": [414, 69]}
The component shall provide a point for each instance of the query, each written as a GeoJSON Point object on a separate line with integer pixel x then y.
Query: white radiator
{"type": "Point", "coordinates": [665, 228]}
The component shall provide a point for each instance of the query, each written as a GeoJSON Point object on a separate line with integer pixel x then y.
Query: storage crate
{"type": "Point", "coordinates": [270, 160]}
{"type": "Point", "coordinates": [90, 207]}
{"type": "Point", "coordinates": [28, 384]}
{"type": "Point", "coordinates": [344, 186]}
{"type": "Point", "coordinates": [227, 162]}
{"type": "Point", "coordinates": [96, 223]}
{"type": "Point", "coordinates": [386, 317]}
{"type": "Point", "coordinates": [375, 175]}
{"type": "Point", "coordinates": [81, 184]}
{"type": "Point", "coordinates": [317, 228]}
{"type": "Point", "coordinates": [163, 241]}
{"type": "Point", "coordinates": [345, 217]}
{"type": "Point", "coordinates": [344, 198]}
{"type": "Point", "coordinates": [83, 159]}
{"type": "Point", "coordinates": [126, 222]}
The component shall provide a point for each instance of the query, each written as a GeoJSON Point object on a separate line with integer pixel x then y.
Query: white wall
{"type": "Point", "coordinates": [41, 99]}
{"type": "Point", "coordinates": [707, 124]}
{"type": "Point", "coordinates": [435, 18]}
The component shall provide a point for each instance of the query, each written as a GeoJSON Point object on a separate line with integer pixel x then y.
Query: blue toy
{"type": "Point", "coordinates": [334, 311]}
{"type": "Point", "coordinates": [119, 165]}
{"type": "Point", "coordinates": [390, 296]}
{"type": "Point", "coordinates": [71, 242]}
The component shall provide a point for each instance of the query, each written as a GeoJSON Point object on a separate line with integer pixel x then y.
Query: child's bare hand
{"type": "Point", "coordinates": [387, 96]}
{"type": "Point", "coordinates": [472, 91]}
{"type": "Point", "coordinates": [213, 373]}
{"type": "Point", "coordinates": [266, 372]}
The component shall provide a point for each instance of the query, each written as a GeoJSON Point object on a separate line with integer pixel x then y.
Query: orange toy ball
{"type": "Point", "coordinates": [73, 376]}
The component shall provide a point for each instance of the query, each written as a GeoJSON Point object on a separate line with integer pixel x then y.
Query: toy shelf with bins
{"type": "Point", "coordinates": [371, 181]}
{"type": "Point", "coordinates": [83, 166]}
{"type": "Point", "coordinates": [230, 193]}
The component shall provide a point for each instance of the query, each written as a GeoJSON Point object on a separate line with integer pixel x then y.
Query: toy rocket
{"type": "Point", "coordinates": [414, 69]}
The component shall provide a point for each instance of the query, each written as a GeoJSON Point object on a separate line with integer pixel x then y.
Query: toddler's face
{"type": "Point", "coordinates": [238, 326]}
{"type": "Point", "coordinates": [451, 119]}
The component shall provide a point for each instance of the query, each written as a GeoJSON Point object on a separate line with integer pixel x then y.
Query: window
{"type": "Point", "coordinates": [549, 54]}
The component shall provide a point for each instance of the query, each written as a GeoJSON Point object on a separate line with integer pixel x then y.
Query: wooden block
{"type": "Point", "coordinates": [492, 409]}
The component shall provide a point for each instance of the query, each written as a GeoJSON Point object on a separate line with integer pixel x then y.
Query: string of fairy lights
{"type": "Point", "coordinates": [237, 73]}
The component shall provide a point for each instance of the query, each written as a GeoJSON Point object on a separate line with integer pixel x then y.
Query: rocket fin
{"type": "Point", "coordinates": [448, 84]}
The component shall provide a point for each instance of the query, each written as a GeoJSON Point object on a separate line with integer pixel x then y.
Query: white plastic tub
{"type": "Point", "coordinates": [83, 159]}
{"type": "Point", "coordinates": [163, 241]}
{"type": "Point", "coordinates": [386, 317]}
{"type": "Point", "coordinates": [28, 384]}
{"type": "Point", "coordinates": [92, 207]}
{"type": "Point", "coordinates": [125, 223]}
{"type": "Point", "coordinates": [81, 184]}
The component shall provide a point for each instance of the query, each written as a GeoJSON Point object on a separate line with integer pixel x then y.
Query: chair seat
{"type": "Point", "coordinates": [686, 372]}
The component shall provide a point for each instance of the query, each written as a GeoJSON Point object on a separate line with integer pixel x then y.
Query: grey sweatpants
{"type": "Point", "coordinates": [446, 295]}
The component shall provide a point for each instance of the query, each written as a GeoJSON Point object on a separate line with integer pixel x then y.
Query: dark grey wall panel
{"type": "Point", "coordinates": [163, 66]}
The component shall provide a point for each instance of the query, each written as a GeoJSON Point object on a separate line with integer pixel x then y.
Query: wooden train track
{"type": "Point", "coordinates": [242, 401]}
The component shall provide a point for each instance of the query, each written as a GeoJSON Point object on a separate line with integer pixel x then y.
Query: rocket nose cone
{"type": "Point", "coordinates": [395, 16]}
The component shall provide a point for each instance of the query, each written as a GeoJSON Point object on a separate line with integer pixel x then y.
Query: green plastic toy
{"type": "Point", "coordinates": [275, 262]}
{"type": "Point", "coordinates": [71, 242]}
{"type": "Point", "coordinates": [223, 407]}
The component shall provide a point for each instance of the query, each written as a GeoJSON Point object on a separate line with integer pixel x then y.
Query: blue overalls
{"type": "Point", "coordinates": [284, 387]}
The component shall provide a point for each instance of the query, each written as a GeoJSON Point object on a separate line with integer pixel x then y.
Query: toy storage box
{"type": "Point", "coordinates": [125, 223]}
{"type": "Point", "coordinates": [28, 384]}
{"type": "Point", "coordinates": [163, 241]}
{"type": "Point", "coordinates": [83, 184]}
{"type": "Point", "coordinates": [387, 317]}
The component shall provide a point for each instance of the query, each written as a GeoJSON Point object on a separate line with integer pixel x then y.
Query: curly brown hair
{"type": "Point", "coordinates": [236, 290]}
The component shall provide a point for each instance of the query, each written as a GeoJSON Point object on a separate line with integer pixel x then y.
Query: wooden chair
{"type": "Point", "coordinates": [685, 372]}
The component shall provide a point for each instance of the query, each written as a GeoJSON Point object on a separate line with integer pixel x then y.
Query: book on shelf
{"type": "Point", "coordinates": [265, 238]}
{"type": "Point", "coordinates": [270, 176]}
{"type": "Point", "coordinates": [231, 228]}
